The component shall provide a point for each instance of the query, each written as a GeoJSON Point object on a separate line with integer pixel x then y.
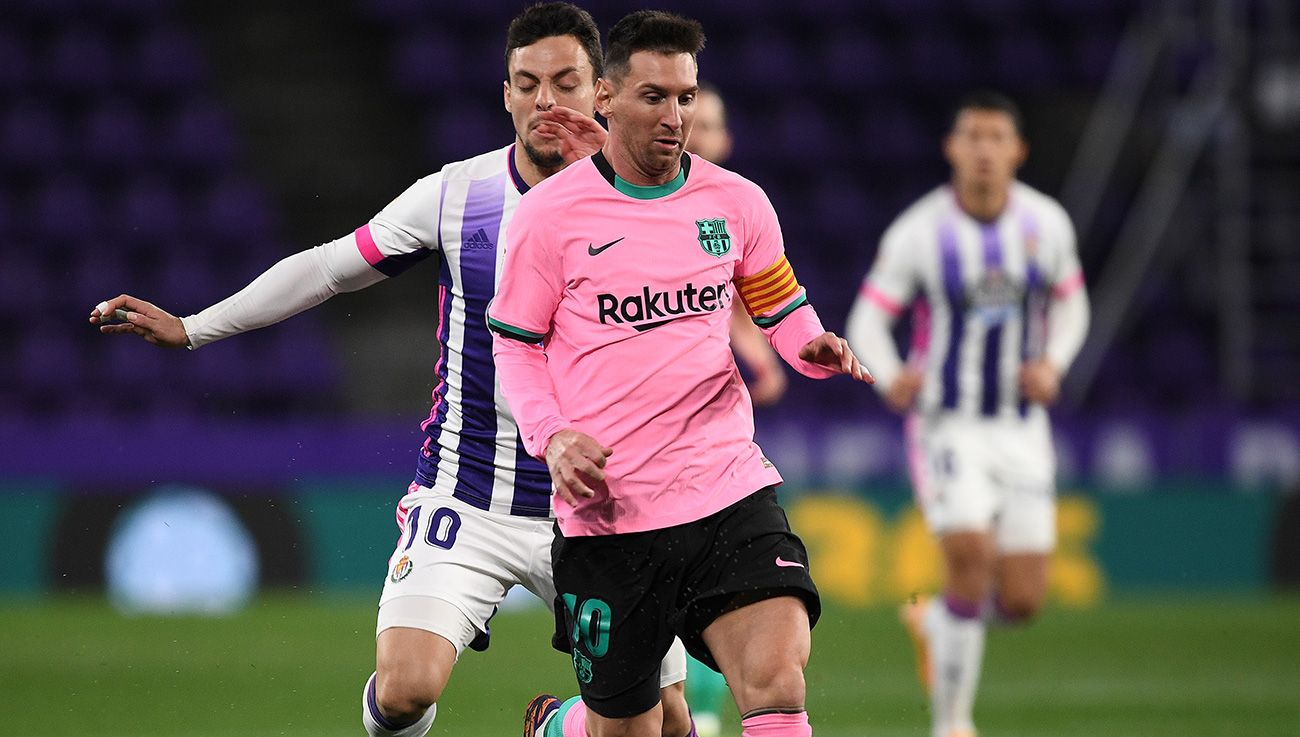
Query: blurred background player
{"type": "Point", "coordinates": [711, 139]}
{"type": "Point", "coordinates": [706, 689]}
{"type": "Point", "coordinates": [999, 311]}
{"type": "Point", "coordinates": [477, 519]}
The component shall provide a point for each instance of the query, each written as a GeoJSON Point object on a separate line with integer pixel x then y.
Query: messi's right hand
{"type": "Point", "coordinates": [143, 319]}
{"type": "Point", "coordinates": [576, 462]}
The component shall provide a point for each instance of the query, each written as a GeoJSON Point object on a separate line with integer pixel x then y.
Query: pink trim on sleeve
{"type": "Point", "coordinates": [882, 300]}
{"type": "Point", "coordinates": [366, 245]}
{"type": "Point", "coordinates": [1068, 286]}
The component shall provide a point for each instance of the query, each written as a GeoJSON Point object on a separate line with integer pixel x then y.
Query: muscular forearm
{"type": "Point", "coordinates": [294, 284]}
{"type": "Point", "coordinates": [529, 392]}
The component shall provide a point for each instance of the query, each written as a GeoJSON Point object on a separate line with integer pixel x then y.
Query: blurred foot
{"type": "Point", "coordinates": [539, 712]}
{"type": "Point", "coordinates": [912, 615]}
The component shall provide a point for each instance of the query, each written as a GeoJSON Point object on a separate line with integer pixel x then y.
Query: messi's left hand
{"type": "Point", "coordinates": [833, 352]}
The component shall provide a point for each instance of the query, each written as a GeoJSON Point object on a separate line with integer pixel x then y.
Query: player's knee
{"type": "Point", "coordinates": [774, 685]}
{"type": "Point", "coordinates": [406, 696]}
{"type": "Point", "coordinates": [677, 715]}
{"type": "Point", "coordinates": [1019, 606]}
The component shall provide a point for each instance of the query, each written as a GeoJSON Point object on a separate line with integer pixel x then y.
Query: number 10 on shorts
{"type": "Point", "coordinates": [590, 624]}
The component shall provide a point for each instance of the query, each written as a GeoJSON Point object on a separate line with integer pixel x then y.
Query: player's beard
{"type": "Point", "coordinates": [548, 161]}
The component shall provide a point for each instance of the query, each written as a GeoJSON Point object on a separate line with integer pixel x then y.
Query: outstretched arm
{"type": "Point", "coordinates": [294, 284]}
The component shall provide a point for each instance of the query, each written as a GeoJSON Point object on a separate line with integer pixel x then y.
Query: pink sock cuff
{"type": "Point", "coordinates": [776, 724]}
{"type": "Point", "coordinates": [575, 722]}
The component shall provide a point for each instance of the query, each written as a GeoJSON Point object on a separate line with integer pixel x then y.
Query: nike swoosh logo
{"type": "Point", "coordinates": [781, 563]}
{"type": "Point", "coordinates": [596, 251]}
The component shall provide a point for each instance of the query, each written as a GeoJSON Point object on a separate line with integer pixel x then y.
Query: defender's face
{"type": "Point", "coordinates": [652, 109]}
{"type": "Point", "coordinates": [710, 137]}
{"type": "Point", "coordinates": [984, 149]}
{"type": "Point", "coordinates": [553, 71]}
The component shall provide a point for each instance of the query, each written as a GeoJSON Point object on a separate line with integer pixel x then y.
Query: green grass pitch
{"type": "Point", "coordinates": [294, 665]}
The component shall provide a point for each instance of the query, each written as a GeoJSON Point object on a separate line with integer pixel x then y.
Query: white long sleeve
{"type": "Point", "coordinates": [1067, 327]}
{"type": "Point", "coordinates": [868, 333]}
{"type": "Point", "coordinates": [293, 284]}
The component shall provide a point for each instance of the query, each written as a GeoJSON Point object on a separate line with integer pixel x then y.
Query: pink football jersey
{"type": "Point", "coordinates": [612, 318]}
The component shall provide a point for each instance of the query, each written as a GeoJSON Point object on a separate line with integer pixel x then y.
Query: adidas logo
{"type": "Point", "coordinates": [479, 241]}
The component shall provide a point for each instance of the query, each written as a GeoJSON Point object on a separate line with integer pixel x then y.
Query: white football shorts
{"type": "Point", "coordinates": [994, 475]}
{"type": "Point", "coordinates": [454, 563]}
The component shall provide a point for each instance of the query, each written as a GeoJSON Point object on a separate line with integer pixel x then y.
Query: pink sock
{"type": "Point", "coordinates": [575, 722]}
{"type": "Point", "coordinates": [774, 724]}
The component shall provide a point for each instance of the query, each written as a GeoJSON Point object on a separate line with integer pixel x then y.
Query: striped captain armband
{"type": "Point", "coordinates": [514, 333]}
{"type": "Point", "coordinates": [771, 294]}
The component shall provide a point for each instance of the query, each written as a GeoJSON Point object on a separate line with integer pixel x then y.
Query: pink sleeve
{"type": "Point", "coordinates": [794, 332]}
{"type": "Point", "coordinates": [520, 317]}
{"type": "Point", "coordinates": [529, 391]}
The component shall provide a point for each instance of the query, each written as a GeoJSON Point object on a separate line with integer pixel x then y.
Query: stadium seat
{"type": "Point", "coordinates": [47, 358]}
{"type": "Point", "coordinates": [236, 209]}
{"type": "Point", "coordinates": [148, 210]}
{"type": "Point", "coordinates": [81, 60]}
{"type": "Point", "coordinates": [65, 209]}
{"type": "Point", "coordinates": [200, 136]}
{"type": "Point", "coordinates": [854, 61]}
{"type": "Point", "coordinates": [15, 62]}
{"type": "Point", "coordinates": [1026, 62]}
{"type": "Point", "coordinates": [166, 61]}
{"type": "Point", "coordinates": [113, 135]}
{"type": "Point", "coordinates": [32, 135]}
{"type": "Point", "coordinates": [426, 60]}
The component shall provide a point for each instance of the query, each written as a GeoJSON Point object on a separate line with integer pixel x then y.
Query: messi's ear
{"type": "Point", "coordinates": [604, 97]}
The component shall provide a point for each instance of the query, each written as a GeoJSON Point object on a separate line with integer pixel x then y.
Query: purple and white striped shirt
{"type": "Point", "coordinates": [472, 448]}
{"type": "Point", "coordinates": [982, 291]}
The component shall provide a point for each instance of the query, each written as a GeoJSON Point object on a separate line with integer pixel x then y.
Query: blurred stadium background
{"type": "Point", "coordinates": [173, 150]}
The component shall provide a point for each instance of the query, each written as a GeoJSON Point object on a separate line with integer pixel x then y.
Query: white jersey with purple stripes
{"type": "Point", "coordinates": [472, 449]}
{"type": "Point", "coordinates": [980, 293]}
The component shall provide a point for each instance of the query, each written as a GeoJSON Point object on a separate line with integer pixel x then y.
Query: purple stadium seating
{"type": "Point", "coordinates": [236, 210]}
{"type": "Point", "coordinates": [149, 210]}
{"type": "Point", "coordinates": [853, 61]}
{"type": "Point", "coordinates": [114, 135]}
{"type": "Point", "coordinates": [66, 208]}
{"type": "Point", "coordinates": [1026, 62]}
{"type": "Point", "coordinates": [167, 61]}
{"type": "Point", "coordinates": [81, 60]}
{"type": "Point", "coordinates": [427, 59]}
{"type": "Point", "coordinates": [32, 134]}
{"type": "Point", "coordinates": [200, 136]}
{"type": "Point", "coordinates": [15, 62]}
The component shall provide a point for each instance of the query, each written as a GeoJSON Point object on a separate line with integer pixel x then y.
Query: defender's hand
{"type": "Point", "coordinates": [142, 318]}
{"type": "Point", "coordinates": [833, 352]}
{"type": "Point", "coordinates": [901, 395]}
{"type": "Point", "coordinates": [1040, 382]}
{"type": "Point", "coordinates": [576, 462]}
{"type": "Point", "coordinates": [579, 135]}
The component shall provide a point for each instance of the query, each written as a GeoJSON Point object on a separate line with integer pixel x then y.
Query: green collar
{"type": "Point", "coordinates": [638, 191]}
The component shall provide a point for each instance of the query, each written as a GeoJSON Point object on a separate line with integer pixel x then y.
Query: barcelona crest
{"type": "Point", "coordinates": [714, 238]}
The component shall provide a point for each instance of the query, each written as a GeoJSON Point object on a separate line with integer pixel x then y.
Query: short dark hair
{"type": "Point", "coordinates": [544, 20]}
{"type": "Point", "coordinates": [990, 100]}
{"type": "Point", "coordinates": [650, 30]}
